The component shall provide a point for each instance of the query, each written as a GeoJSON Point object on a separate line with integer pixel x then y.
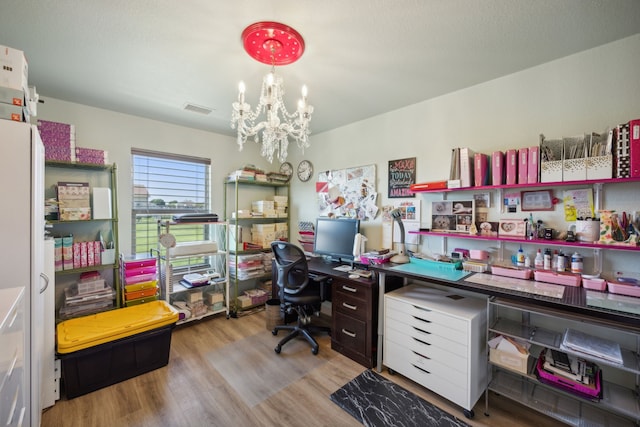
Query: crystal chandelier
{"type": "Point", "coordinates": [275, 44]}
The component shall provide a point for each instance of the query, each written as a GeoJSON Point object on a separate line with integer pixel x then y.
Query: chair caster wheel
{"type": "Point", "coordinates": [314, 350]}
{"type": "Point", "coordinates": [278, 349]}
{"type": "Point", "coordinates": [274, 332]}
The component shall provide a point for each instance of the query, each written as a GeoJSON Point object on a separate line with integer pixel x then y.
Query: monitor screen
{"type": "Point", "coordinates": [334, 237]}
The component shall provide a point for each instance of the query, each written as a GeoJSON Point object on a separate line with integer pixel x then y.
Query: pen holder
{"type": "Point", "coordinates": [108, 256]}
{"type": "Point", "coordinates": [588, 231]}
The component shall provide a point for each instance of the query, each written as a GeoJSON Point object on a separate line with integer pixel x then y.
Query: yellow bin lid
{"type": "Point", "coordinates": [89, 331]}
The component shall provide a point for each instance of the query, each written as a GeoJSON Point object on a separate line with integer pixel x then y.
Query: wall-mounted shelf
{"type": "Point", "coordinates": [534, 185]}
{"type": "Point", "coordinates": [529, 241]}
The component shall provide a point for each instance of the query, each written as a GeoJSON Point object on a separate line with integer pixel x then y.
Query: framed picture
{"type": "Point", "coordinates": [455, 216]}
{"type": "Point", "coordinates": [541, 200]}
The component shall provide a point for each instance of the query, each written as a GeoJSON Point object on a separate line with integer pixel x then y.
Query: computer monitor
{"type": "Point", "coordinates": [334, 238]}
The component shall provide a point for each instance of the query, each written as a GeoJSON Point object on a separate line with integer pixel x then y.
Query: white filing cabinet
{"type": "Point", "coordinates": [437, 338]}
{"type": "Point", "coordinates": [12, 362]}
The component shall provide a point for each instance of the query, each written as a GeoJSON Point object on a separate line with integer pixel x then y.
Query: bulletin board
{"type": "Point", "coordinates": [348, 192]}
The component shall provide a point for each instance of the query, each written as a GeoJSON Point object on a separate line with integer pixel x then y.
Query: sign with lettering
{"type": "Point", "coordinates": [402, 173]}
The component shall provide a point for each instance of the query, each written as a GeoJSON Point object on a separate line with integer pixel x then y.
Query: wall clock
{"type": "Point", "coordinates": [286, 168]}
{"type": "Point", "coordinates": [305, 170]}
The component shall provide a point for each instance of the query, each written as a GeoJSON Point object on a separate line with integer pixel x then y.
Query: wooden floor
{"type": "Point", "coordinates": [191, 392]}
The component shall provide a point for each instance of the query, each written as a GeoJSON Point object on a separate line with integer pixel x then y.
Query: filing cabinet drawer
{"type": "Point", "coordinates": [350, 305]}
{"type": "Point", "coordinates": [397, 359]}
{"type": "Point", "coordinates": [405, 311]}
{"type": "Point", "coordinates": [454, 360]}
{"type": "Point", "coordinates": [420, 323]}
{"type": "Point", "coordinates": [355, 289]}
{"type": "Point", "coordinates": [395, 326]}
{"type": "Point", "coordinates": [350, 332]}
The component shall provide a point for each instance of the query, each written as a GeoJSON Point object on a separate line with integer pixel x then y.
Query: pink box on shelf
{"type": "Point", "coordinates": [481, 169]}
{"type": "Point", "coordinates": [533, 167]}
{"type": "Point", "coordinates": [511, 167]}
{"type": "Point", "coordinates": [497, 168]}
{"type": "Point", "coordinates": [594, 283]}
{"type": "Point", "coordinates": [523, 165]}
{"type": "Point", "coordinates": [558, 278]}
{"type": "Point", "coordinates": [634, 148]}
{"type": "Point", "coordinates": [518, 273]}
{"type": "Point", "coordinates": [623, 288]}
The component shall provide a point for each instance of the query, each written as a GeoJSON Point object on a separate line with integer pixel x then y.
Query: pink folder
{"type": "Point", "coordinates": [523, 165]}
{"type": "Point", "coordinates": [634, 148]}
{"type": "Point", "coordinates": [533, 170]}
{"type": "Point", "coordinates": [481, 169]}
{"type": "Point", "coordinates": [497, 168]}
{"type": "Point", "coordinates": [511, 166]}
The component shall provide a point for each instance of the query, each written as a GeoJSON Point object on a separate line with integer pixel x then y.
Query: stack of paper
{"type": "Point", "coordinates": [593, 346]}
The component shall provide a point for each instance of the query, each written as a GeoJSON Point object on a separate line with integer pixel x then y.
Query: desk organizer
{"type": "Point", "coordinates": [559, 278]}
{"type": "Point", "coordinates": [591, 392]}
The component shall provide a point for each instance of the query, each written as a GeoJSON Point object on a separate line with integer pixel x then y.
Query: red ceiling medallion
{"type": "Point", "coordinates": [273, 43]}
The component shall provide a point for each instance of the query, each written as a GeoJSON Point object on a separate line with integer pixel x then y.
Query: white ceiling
{"type": "Point", "coordinates": [363, 57]}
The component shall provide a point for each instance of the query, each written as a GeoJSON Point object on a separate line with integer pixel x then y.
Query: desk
{"type": "Point", "coordinates": [574, 299]}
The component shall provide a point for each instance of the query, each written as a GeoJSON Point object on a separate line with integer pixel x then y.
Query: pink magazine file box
{"type": "Point", "coordinates": [523, 165]}
{"type": "Point", "coordinates": [497, 168]}
{"type": "Point", "coordinates": [511, 166]}
{"type": "Point", "coordinates": [533, 170]}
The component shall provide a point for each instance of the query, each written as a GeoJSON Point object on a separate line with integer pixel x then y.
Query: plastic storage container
{"type": "Point", "coordinates": [105, 348]}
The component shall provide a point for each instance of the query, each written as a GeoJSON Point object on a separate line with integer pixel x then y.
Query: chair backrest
{"type": "Point", "coordinates": [292, 268]}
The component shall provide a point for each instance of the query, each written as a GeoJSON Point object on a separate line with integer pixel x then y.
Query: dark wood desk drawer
{"type": "Point", "coordinates": [351, 305]}
{"type": "Point", "coordinates": [354, 289]}
{"type": "Point", "coordinates": [349, 333]}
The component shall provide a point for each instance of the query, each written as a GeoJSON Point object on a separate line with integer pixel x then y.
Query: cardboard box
{"type": "Point", "coordinates": [12, 96]}
{"type": "Point", "coordinates": [14, 70]}
{"type": "Point", "coordinates": [212, 297]}
{"type": "Point", "coordinates": [12, 112]}
{"type": "Point", "coordinates": [513, 361]}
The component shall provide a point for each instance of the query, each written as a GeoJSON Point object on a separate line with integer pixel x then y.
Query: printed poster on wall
{"type": "Point", "coordinates": [402, 173]}
{"type": "Point", "coordinates": [348, 192]}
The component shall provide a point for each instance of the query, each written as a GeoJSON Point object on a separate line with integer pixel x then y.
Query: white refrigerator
{"type": "Point", "coordinates": [22, 260]}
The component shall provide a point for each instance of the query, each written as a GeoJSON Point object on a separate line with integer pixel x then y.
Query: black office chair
{"type": "Point", "coordinates": [297, 292]}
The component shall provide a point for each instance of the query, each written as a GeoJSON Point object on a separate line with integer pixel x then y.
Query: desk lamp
{"type": "Point", "coordinates": [401, 257]}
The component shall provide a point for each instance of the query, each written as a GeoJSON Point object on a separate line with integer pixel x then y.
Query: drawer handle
{"type": "Point", "coordinates": [422, 320]}
{"type": "Point", "coordinates": [350, 289]}
{"type": "Point", "coordinates": [46, 282]}
{"type": "Point", "coordinates": [422, 342]}
{"type": "Point", "coordinates": [421, 355]}
{"type": "Point", "coordinates": [349, 306]}
{"type": "Point", "coordinates": [422, 330]}
{"type": "Point", "coordinates": [422, 308]}
{"type": "Point", "coordinates": [423, 370]}
{"type": "Point", "coordinates": [351, 334]}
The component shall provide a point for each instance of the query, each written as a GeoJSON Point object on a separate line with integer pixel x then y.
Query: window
{"type": "Point", "coordinates": [165, 185]}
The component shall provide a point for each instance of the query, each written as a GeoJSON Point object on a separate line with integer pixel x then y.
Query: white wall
{"type": "Point", "coordinates": [586, 92]}
{"type": "Point", "coordinates": [118, 133]}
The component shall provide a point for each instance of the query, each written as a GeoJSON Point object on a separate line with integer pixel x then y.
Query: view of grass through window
{"type": "Point", "coordinates": [165, 185]}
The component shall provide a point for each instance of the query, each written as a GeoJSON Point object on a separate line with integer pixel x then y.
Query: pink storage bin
{"type": "Point", "coordinates": [369, 261]}
{"type": "Point", "coordinates": [623, 289]}
{"type": "Point", "coordinates": [518, 273]}
{"type": "Point", "coordinates": [140, 270]}
{"type": "Point", "coordinates": [558, 278]}
{"type": "Point", "coordinates": [138, 263]}
{"type": "Point", "coordinates": [130, 280]}
{"type": "Point", "coordinates": [594, 283]}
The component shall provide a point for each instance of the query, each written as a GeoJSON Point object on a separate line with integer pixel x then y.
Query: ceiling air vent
{"type": "Point", "coordinates": [197, 108]}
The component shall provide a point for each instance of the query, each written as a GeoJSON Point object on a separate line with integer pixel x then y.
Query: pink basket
{"type": "Point", "coordinates": [566, 384]}
{"type": "Point", "coordinates": [594, 283]}
{"type": "Point", "coordinates": [559, 278]}
{"type": "Point", "coordinates": [518, 273]}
